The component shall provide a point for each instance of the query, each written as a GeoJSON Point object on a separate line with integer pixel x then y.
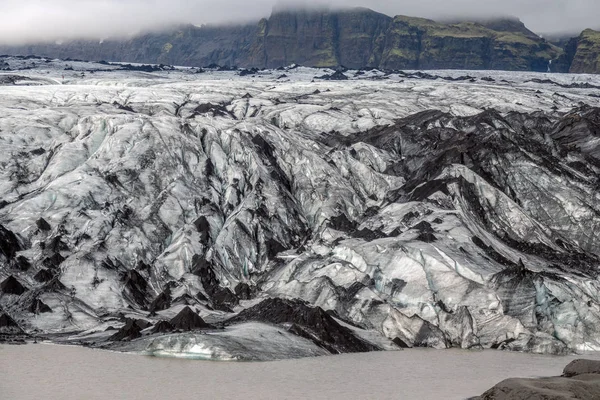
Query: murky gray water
{"type": "Point", "coordinates": [59, 372]}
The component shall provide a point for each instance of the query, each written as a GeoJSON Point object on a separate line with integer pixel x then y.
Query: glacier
{"type": "Point", "coordinates": [299, 216]}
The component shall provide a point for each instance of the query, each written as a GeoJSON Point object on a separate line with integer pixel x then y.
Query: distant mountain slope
{"type": "Point", "coordinates": [353, 38]}
{"type": "Point", "coordinates": [426, 44]}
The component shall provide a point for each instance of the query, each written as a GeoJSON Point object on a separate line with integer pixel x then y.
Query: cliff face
{"type": "Point", "coordinates": [303, 37]}
{"type": "Point", "coordinates": [425, 44]}
{"type": "Point", "coordinates": [353, 38]}
{"type": "Point", "coordinates": [586, 54]}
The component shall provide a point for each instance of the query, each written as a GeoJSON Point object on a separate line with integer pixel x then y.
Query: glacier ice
{"type": "Point", "coordinates": [415, 212]}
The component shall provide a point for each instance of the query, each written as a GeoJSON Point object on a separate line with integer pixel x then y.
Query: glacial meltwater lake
{"type": "Point", "coordinates": [48, 372]}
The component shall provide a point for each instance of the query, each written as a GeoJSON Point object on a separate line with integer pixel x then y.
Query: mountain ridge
{"type": "Point", "coordinates": [354, 38]}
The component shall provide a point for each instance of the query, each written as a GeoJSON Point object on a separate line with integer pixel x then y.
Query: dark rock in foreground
{"type": "Point", "coordinates": [580, 380]}
{"type": "Point", "coordinates": [581, 367]}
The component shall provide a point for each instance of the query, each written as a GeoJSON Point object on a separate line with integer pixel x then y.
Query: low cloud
{"type": "Point", "coordinates": [26, 21]}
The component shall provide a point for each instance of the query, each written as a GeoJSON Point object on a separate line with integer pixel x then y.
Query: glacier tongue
{"type": "Point", "coordinates": [412, 212]}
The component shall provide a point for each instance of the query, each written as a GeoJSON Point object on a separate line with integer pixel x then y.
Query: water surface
{"type": "Point", "coordinates": [41, 371]}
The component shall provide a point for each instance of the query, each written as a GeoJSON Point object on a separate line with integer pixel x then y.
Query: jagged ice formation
{"type": "Point", "coordinates": [261, 216]}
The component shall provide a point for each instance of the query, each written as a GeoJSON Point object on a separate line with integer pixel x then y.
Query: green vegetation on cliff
{"type": "Point", "coordinates": [425, 44]}
{"type": "Point", "coordinates": [587, 53]}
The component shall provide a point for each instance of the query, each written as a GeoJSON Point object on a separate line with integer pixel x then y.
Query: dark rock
{"type": "Point", "coordinates": [273, 247]}
{"type": "Point", "coordinates": [502, 345]}
{"type": "Point", "coordinates": [409, 217]}
{"type": "Point", "coordinates": [142, 323]}
{"type": "Point", "coordinates": [342, 223]}
{"type": "Point", "coordinates": [574, 85]}
{"type": "Point", "coordinates": [140, 68]}
{"type": "Point", "coordinates": [200, 296]}
{"type": "Point", "coordinates": [426, 237]}
{"type": "Point", "coordinates": [199, 265]}
{"type": "Point", "coordinates": [203, 227]}
{"type": "Point", "coordinates": [39, 307]}
{"type": "Point", "coordinates": [580, 380]}
{"type": "Point", "coordinates": [244, 291]}
{"type": "Point", "coordinates": [44, 275]}
{"type": "Point", "coordinates": [368, 235]}
{"type": "Point", "coordinates": [188, 320]}
{"type": "Point", "coordinates": [400, 343]}
{"type": "Point", "coordinates": [162, 327]}
{"type": "Point", "coordinates": [222, 298]}
{"type": "Point", "coordinates": [214, 109]}
{"type": "Point", "coordinates": [142, 266]}
{"type": "Point", "coordinates": [398, 285]}
{"type": "Point", "coordinates": [131, 330]}
{"type": "Point", "coordinates": [429, 336]}
{"type": "Point", "coordinates": [8, 326]}
{"type": "Point", "coordinates": [12, 286]}
{"type": "Point", "coordinates": [135, 285]}
{"type": "Point", "coordinates": [54, 261]}
{"type": "Point", "coordinates": [9, 243]}
{"type": "Point", "coordinates": [246, 72]}
{"type": "Point", "coordinates": [161, 302]}
{"type": "Point", "coordinates": [492, 253]}
{"type": "Point", "coordinates": [55, 285]}
{"type": "Point", "coordinates": [312, 323]}
{"type": "Point", "coordinates": [56, 245]}
{"type": "Point", "coordinates": [336, 76]}
{"type": "Point", "coordinates": [424, 227]}
{"type": "Point", "coordinates": [43, 225]}
{"type": "Point", "coordinates": [123, 107]}
{"type": "Point", "coordinates": [580, 367]}
{"type": "Point", "coordinates": [22, 263]}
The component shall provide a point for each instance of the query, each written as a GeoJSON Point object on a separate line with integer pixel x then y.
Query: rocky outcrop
{"type": "Point", "coordinates": [581, 367]}
{"type": "Point", "coordinates": [580, 380]}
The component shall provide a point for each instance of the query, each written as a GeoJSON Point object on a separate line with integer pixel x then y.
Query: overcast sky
{"type": "Point", "coordinates": [51, 20]}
